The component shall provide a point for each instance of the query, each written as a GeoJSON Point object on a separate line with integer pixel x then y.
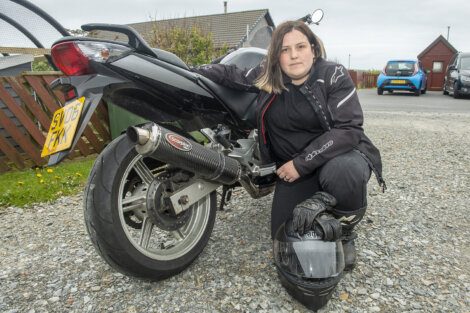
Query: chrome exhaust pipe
{"type": "Point", "coordinates": [138, 135]}
{"type": "Point", "coordinates": [171, 148]}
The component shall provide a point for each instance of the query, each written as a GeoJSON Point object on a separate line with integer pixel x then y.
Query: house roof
{"type": "Point", "coordinates": [226, 28]}
{"type": "Point", "coordinates": [14, 60]}
{"type": "Point", "coordinates": [438, 39]}
{"type": "Point", "coordinates": [21, 50]}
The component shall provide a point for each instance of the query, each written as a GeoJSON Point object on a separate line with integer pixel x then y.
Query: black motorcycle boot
{"type": "Point", "coordinates": [349, 219]}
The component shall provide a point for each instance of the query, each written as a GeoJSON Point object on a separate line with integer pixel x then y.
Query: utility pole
{"type": "Point", "coordinates": [448, 30]}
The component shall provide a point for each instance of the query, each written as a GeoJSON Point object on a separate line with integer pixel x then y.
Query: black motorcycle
{"type": "Point", "coordinates": [150, 201]}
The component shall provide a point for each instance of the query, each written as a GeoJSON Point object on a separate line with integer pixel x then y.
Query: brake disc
{"type": "Point", "coordinates": [159, 208]}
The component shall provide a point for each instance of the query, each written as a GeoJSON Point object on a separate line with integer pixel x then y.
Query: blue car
{"type": "Point", "coordinates": [406, 75]}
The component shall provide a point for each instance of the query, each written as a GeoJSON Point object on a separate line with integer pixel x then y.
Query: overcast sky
{"type": "Point", "coordinates": [370, 31]}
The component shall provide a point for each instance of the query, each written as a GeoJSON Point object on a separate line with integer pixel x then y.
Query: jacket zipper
{"type": "Point", "coordinates": [318, 108]}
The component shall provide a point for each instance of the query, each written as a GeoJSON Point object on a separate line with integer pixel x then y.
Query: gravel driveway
{"type": "Point", "coordinates": [414, 250]}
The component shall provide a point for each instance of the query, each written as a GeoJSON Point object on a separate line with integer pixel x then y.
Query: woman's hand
{"type": "Point", "coordinates": [287, 172]}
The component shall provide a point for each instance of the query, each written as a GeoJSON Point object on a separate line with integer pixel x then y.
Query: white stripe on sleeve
{"type": "Point", "coordinates": [346, 98]}
{"type": "Point", "coordinates": [248, 73]}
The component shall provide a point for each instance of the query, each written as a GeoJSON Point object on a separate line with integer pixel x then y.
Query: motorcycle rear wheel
{"type": "Point", "coordinates": [119, 224]}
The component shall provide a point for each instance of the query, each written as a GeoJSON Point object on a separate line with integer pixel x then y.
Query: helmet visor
{"type": "Point", "coordinates": [310, 258]}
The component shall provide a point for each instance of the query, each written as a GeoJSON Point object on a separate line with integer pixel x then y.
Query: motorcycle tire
{"type": "Point", "coordinates": [140, 248]}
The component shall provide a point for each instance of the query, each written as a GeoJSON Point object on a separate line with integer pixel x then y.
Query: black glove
{"type": "Point", "coordinates": [327, 227]}
{"type": "Point", "coordinates": [305, 212]}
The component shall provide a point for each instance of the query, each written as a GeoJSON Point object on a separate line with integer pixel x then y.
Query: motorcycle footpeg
{"type": "Point", "coordinates": [266, 169]}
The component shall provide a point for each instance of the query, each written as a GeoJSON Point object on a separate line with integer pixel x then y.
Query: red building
{"type": "Point", "coordinates": [435, 58]}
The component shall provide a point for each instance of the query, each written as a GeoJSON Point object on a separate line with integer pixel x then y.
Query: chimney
{"type": "Point", "coordinates": [225, 7]}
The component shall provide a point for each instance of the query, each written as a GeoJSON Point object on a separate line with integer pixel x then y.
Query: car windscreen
{"type": "Point", "coordinates": [400, 68]}
{"type": "Point", "coordinates": [465, 63]}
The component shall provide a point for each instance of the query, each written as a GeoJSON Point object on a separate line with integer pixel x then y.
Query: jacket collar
{"type": "Point", "coordinates": [313, 72]}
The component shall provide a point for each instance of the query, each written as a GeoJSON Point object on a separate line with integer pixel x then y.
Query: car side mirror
{"type": "Point", "coordinates": [427, 71]}
{"type": "Point", "coordinates": [452, 68]}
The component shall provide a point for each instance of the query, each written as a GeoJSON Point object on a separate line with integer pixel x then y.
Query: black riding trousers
{"type": "Point", "coordinates": [345, 177]}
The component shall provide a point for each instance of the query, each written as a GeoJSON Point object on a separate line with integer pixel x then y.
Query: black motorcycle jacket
{"type": "Point", "coordinates": [332, 95]}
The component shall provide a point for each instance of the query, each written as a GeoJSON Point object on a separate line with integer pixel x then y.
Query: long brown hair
{"type": "Point", "coordinates": [270, 79]}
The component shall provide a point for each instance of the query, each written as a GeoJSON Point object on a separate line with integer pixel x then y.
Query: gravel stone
{"type": "Point", "coordinates": [53, 299]}
{"type": "Point", "coordinates": [413, 245]}
{"type": "Point", "coordinates": [362, 291]}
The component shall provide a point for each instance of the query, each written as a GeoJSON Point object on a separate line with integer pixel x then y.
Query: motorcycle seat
{"type": "Point", "coordinates": [241, 103]}
{"type": "Point", "coordinates": [170, 58]}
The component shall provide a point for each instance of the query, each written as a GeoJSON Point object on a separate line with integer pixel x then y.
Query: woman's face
{"type": "Point", "coordinates": [296, 56]}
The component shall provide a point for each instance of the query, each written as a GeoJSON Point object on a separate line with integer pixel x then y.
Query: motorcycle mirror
{"type": "Point", "coordinates": [317, 16]}
{"type": "Point", "coordinates": [313, 18]}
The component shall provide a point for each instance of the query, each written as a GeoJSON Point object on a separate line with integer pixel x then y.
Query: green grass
{"type": "Point", "coordinates": [23, 188]}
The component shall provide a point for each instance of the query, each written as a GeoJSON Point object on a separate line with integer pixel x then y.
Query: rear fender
{"type": "Point", "coordinates": [91, 87]}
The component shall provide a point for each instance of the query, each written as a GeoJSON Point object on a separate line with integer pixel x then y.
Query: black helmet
{"type": "Point", "coordinates": [308, 267]}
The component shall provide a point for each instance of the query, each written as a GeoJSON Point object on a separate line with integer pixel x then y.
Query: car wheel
{"type": "Point", "coordinates": [380, 91]}
{"type": "Point", "coordinates": [417, 92]}
{"type": "Point", "coordinates": [456, 91]}
{"type": "Point", "coordinates": [424, 90]}
{"type": "Point", "coordinates": [444, 91]}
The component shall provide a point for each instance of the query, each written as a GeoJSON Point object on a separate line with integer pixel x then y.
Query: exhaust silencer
{"type": "Point", "coordinates": [169, 147]}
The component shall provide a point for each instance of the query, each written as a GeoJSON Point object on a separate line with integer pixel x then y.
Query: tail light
{"type": "Point", "coordinates": [73, 57]}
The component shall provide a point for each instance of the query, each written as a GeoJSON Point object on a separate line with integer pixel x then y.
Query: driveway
{"type": "Point", "coordinates": [432, 102]}
{"type": "Point", "coordinates": [413, 245]}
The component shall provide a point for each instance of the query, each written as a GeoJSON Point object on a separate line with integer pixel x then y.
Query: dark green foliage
{"type": "Point", "coordinates": [190, 43]}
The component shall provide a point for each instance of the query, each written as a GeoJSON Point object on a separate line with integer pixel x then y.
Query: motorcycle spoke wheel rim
{"type": "Point", "coordinates": [149, 239]}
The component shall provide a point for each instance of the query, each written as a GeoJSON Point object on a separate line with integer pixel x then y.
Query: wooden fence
{"type": "Point", "coordinates": [27, 104]}
{"type": "Point", "coordinates": [353, 75]}
{"type": "Point", "coordinates": [363, 79]}
{"type": "Point", "coordinates": [369, 80]}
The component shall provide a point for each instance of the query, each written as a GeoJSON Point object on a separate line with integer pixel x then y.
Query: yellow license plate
{"type": "Point", "coordinates": [63, 126]}
{"type": "Point", "coordinates": [398, 81]}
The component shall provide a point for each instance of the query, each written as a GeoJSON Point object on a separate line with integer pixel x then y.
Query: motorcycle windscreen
{"type": "Point", "coordinates": [310, 258]}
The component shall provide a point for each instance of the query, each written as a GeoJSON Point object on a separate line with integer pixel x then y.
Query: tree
{"type": "Point", "coordinates": [41, 66]}
{"type": "Point", "coordinates": [190, 43]}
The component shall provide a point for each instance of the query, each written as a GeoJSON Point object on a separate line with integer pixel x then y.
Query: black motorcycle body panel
{"type": "Point", "coordinates": [184, 95]}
